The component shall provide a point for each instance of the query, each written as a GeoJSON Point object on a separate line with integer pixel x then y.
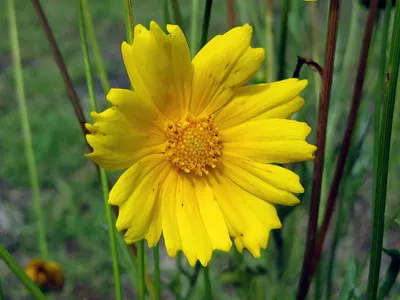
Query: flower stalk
{"type": "Point", "coordinates": [18, 272]}
{"type": "Point", "coordinates": [166, 11]}
{"type": "Point", "coordinates": [26, 130]}
{"type": "Point", "coordinates": [141, 270]}
{"type": "Point", "coordinates": [381, 175]}
{"type": "Point", "coordinates": [333, 23]}
{"type": "Point", "coordinates": [103, 175]}
{"type": "Point", "coordinates": [230, 7]}
{"type": "Point", "coordinates": [283, 39]}
{"type": "Point", "coordinates": [1, 292]}
{"type": "Point", "coordinates": [206, 22]}
{"type": "Point", "coordinates": [99, 63]}
{"type": "Point", "coordinates": [381, 80]}
{"type": "Point", "coordinates": [157, 282]}
{"type": "Point", "coordinates": [193, 27]}
{"type": "Point", "coordinates": [207, 282]}
{"type": "Point", "coordinates": [351, 122]}
{"type": "Point", "coordinates": [177, 13]}
{"type": "Point", "coordinates": [269, 41]}
{"type": "Point", "coordinates": [73, 96]}
{"type": "Point", "coordinates": [128, 20]}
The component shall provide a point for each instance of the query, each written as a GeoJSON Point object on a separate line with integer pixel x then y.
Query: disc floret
{"type": "Point", "coordinates": [193, 144]}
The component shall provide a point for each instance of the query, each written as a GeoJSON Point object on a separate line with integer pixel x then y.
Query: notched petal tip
{"type": "Point", "coordinates": [89, 127]}
{"type": "Point", "coordinates": [156, 29]}
{"type": "Point", "coordinates": [126, 50]}
{"type": "Point", "coordinates": [172, 28]}
{"type": "Point", "coordinates": [139, 29]}
{"type": "Point", "coordinates": [247, 27]}
{"type": "Point", "coordinates": [94, 115]}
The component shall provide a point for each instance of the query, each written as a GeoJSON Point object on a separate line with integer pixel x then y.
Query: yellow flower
{"type": "Point", "coordinates": [48, 275]}
{"type": "Point", "coordinates": [198, 146]}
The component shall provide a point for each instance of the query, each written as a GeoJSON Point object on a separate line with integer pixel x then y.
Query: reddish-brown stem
{"type": "Point", "coordinates": [61, 65]}
{"type": "Point", "coordinates": [231, 13]}
{"type": "Point", "coordinates": [351, 121]}
{"type": "Point", "coordinates": [333, 22]}
{"type": "Point", "coordinates": [67, 81]}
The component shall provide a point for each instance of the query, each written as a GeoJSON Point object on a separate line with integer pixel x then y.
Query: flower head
{"type": "Point", "coordinates": [48, 275]}
{"type": "Point", "coordinates": [198, 145]}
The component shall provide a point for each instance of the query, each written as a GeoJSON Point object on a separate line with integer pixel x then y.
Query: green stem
{"type": "Point", "coordinates": [140, 245]}
{"type": "Point", "coordinates": [192, 280]}
{"type": "Point", "coordinates": [128, 20]}
{"type": "Point", "coordinates": [193, 27]}
{"type": "Point", "coordinates": [128, 259]}
{"type": "Point", "coordinates": [111, 235]}
{"type": "Point", "coordinates": [126, 256]}
{"type": "Point", "coordinates": [341, 93]}
{"type": "Point", "coordinates": [157, 272]}
{"type": "Point", "coordinates": [380, 177]}
{"type": "Point", "coordinates": [295, 21]}
{"type": "Point", "coordinates": [177, 13]}
{"type": "Point", "coordinates": [315, 47]}
{"type": "Point", "coordinates": [26, 131]}
{"type": "Point", "coordinates": [207, 283]}
{"type": "Point", "coordinates": [332, 254]}
{"type": "Point", "coordinates": [166, 12]}
{"type": "Point", "coordinates": [282, 42]}
{"type": "Point", "coordinates": [318, 283]}
{"type": "Point", "coordinates": [1, 292]}
{"type": "Point", "coordinates": [391, 274]}
{"type": "Point", "coordinates": [141, 268]}
{"type": "Point", "coordinates": [99, 63]}
{"type": "Point", "coordinates": [269, 42]}
{"type": "Point", "coordinates": [280, 257]}
{"type": "Point", "coordinates": [19, 273]}
{"type": "Point", "coordinates": [206, 22]}
{"type": "Point", "coordinates": [178, 276]}
{"type": "Point", "coordinates": [256, 21]}
{"type": "Point", "coordinates": [103, 175]}
{"type": "Point", "coordinates": [306, 272]}
{"type": "Point", "coordinates": [381, 80]}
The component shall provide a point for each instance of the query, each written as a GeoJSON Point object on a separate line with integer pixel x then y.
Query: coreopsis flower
{"type": "Point", "coordinates": [48, 275]}
{"type": "Point", "coordinates": [199, 146]}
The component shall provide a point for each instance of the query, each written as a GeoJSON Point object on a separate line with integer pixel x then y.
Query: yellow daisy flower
{"type": "Point", "coordinates": [198, 145]}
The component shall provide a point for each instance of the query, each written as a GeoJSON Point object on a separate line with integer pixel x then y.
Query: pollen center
{"type": "Point", "coordinates": [193, 144]}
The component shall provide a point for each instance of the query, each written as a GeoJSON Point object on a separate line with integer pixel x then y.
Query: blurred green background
{"type": "Point", "coordinates": [72, 199]}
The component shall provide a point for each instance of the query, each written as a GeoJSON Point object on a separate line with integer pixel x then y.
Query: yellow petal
{"type": "Point", "coordinates": [272, 100]}
{"type": "Point", "coordinates": [130, 179]}
{"type": "Point", "coordinates": [258, 184]}
{"type": "Point", "coordinates": [138, 213]}
{"type": "Point", "coordinates": [277, 176]}
{"type": "Point", "coordinates": [281, 152]}
{"type": "Point", "coordinates": [171, 235]}
{"type": "Point", "coordinates": [195, 241]}
{"type": "Point", "coordinates": [159, 68]}
{"type": "Point", "coordinates": [269, 141]}
{"type": "Point", "coordinates": [249, 218]}
{"type": "Point", "coordinates": [225, 62]}
{"type": "Point", "coordinates": [137, 194]}
{"type": "Point", "coordinates": [263, 130]}
{"type": "Point", "coordinates": [212, 216]}
{"type": "Point", "coordinates": [283, 111]}
{"type": "Point", "coordinates": [136, 110]}
{"type": "Point", "coordinates": [118, 142]}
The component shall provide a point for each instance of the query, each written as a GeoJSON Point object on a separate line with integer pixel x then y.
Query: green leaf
{"type": "Point", "coordinates": [391, 272]}
{"type": "Point", "coordinates": [350, 281]}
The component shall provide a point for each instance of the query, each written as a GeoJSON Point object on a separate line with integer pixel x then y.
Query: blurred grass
{"type": "Point", "coordinates": [73, 204]}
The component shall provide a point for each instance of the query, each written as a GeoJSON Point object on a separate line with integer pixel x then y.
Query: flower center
{"type": "Point", "coordinates": [193, 144]}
